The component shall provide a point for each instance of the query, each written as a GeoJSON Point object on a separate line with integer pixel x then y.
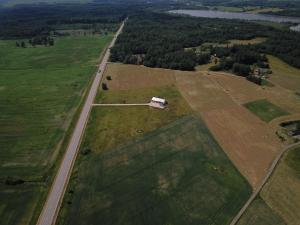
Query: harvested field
{"type": "Point", "coordinates": [243, 91]}
{"type": "Point", "coordinates": [128, 77]}
{"type": "Point", "coordinates": [249, 142]}
{"type": "Point", "coordinates": [265, 110]}
{"type": "Point", "coordinates": [259, 213]}
{"type": "Point", "coordinates": [183, 177]}
{"type": "Point", "coordinates": [282, 191]}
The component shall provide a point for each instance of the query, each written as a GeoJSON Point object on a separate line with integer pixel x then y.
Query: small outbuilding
{"type": "Point", "coordinates": [158, 102]}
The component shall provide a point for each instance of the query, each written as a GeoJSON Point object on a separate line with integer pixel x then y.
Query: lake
{"type": "Point", "coordinates": [241, 16]}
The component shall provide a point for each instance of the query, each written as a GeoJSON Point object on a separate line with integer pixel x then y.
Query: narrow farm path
{"type": "Point", "coordinates": [259, 188]}
{"type": "Point", "coordinates": [133, 104]}
{"type": "Point", "coordinates": [51, 207]}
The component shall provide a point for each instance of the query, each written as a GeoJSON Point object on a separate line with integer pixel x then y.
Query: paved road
{"type": "Point", "coordinates": [134, 104]}
{"type": "Point", "coordinates": [256, 192]}
{"type": "Point", "coordinates": [50, 210]}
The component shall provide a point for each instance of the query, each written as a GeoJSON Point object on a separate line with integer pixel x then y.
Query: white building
{"type": "Point", "coordinates": [158, 102]}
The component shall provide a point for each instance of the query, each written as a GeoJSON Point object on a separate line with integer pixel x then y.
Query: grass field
{"type": "Point", "coordinates": [259, 213]}
{"type": "Point", "coordinates": [284, 74]}
{"type": "Point", "coordinates": [282, 191]}
{"type": "Point", "coordinates": [41, 89]}
{"type": "Point", "coordinates": [115, 125]}
{"type": "Point", "coordinates": [265, 110]}
{"type": "Point", "coordinates": [176, 174]}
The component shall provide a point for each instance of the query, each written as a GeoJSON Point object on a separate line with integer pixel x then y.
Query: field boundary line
{"type": "Point", "coordinates": [264, 181]}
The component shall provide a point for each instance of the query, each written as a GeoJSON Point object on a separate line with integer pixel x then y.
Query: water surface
{"type": "Point", "coordinates": [241, 16]}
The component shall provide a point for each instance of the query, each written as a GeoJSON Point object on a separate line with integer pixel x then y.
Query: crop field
{"type": "Point", "coordinates": [176, 174]}
{"type": "Point", "coordinates": [284, 74]}
{"type": "Point", "coordinates": [282, 191]}
{"type": "Point", "coordinates": [243, 91]}
{"type": "Point", "coordinates": [137, 84]}
{"type": "Point", "coordinates": [259, 213]}
{"type": "Point", "coordinates": [265, 110]}
{"type": "Point", "coordinates": [249, 143]}
{"type": "Point", "coordinates": [41, 89]}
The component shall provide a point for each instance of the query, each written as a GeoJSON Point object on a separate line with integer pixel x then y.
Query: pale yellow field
{"type": "Point", "coordinates": [248, 141]}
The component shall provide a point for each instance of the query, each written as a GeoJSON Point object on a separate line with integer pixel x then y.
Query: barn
{"type": "Point", "coordinates": [158, 102]}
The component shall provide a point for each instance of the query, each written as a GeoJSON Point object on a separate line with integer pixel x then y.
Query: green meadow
{"type": "Point", "coordinates": [265, 110]}
{"type": "Point", "coordinates": [41, 89]}
{"type": "Point", "coordinates": [176, 174]}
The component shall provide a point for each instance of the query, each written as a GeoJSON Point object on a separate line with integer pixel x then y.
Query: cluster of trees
{"type": "Point", "coordinates": [43, 40]}
{"type": "Point", "coordinates": [160, 40]}
{"type": "Point", "coordinates": [29, 21]}
{"type": "Point", "coordinates": [239, 59]}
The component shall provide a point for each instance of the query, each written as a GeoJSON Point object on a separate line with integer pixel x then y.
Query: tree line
{"type": "Point", "coordinates": [160, 40]}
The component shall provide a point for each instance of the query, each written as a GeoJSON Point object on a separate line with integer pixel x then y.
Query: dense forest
{"type": "Point", "coordinates": [159, 40]}
{"type": "Point", "coordinates": [34, 20]}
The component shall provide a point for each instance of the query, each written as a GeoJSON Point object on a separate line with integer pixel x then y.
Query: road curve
{"type": "Point", "coordinates": [258, 189]}
{"type": "Point", "coordinates": [51, 207]}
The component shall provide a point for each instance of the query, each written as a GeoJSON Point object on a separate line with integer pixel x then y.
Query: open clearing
{"type": "Point", "coordinates": [36, 113]}
{"type": "Point", "coordinates": [265, 110]}
{"type": "Point", "coordinates": [183, 177]}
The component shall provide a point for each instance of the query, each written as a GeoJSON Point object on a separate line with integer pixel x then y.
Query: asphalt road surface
{"type": "Point", "coordinates": [51, 207]}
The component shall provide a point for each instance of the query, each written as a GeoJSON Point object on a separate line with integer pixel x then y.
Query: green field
{"type": "Point", "coordinates": [265, 110]}
{"type": "Point", "coordinates": [284, 75]}
{"type": "Point", "coordinates": [282, 191]}
{"type": "Point", "coordinates": [40, 91]}
{"type": "Point", "coordinates": [279, 200]}
{"type": "Point", "coordinates": [259, 213]}
{"type": "Point", "coordinates": [176, 174]}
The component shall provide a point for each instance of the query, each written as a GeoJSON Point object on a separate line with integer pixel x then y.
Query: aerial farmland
{"type": "Point", "coordinates": [149, 112]}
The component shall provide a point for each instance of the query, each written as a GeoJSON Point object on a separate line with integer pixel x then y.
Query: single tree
{"type": "Point", "coordinates": [23, 45]}
{"type": "Point", "coordinates": [104, 87]}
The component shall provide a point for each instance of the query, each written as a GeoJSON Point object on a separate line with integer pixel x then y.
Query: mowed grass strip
{"type": "Point", "coordinates": [40, 90]}
{"type": "Point", "coordinates": [259, 213]}
{"type": "Point", "coordinates": [265, 110]}
{"type": "Point", "coordinates": [176, 174]}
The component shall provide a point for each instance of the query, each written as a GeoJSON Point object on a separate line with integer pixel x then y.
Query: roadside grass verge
{"type": "Point", "coordinates": [41, 90]}
{"type": "Point", "coordinates": [176, 174]}
{"type": "Point", "coordinates": [265, 110]}
{"type": "Point", "coordinates": [259, 213]}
